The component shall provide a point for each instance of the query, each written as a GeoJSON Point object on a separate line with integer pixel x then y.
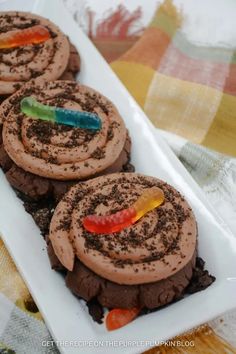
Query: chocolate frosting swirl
{"type": "Point", "coordinates": [47, 60]}
{"type": "Point", "coordinates": [58, 151]}
{"type": "Point", "coordinates": [160, 244]}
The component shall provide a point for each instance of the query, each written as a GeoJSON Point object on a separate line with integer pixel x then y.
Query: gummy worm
{"type": "Point", "coordinates": [17, 38]}
{"type": "Point", "coordinates": [149, 200]}
{"type": "Point", "coordinates": [77, 119]}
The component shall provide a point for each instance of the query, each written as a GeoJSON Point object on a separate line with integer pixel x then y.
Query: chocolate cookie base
{"type": "Point", "coordinates": [99, 292]}
{"type": "Point", "coordinates": [86, 284]}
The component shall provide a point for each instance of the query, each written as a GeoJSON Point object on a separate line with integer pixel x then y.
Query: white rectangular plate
{"type": "Point", "coordinates": [65, 315]}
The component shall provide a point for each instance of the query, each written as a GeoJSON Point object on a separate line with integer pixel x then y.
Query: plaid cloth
{"type": "Point", "coordinates": [22, 329]}
{"type": "Point", "coordinates": [188, 92]}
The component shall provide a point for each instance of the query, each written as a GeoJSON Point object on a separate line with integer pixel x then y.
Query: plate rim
{"type": "Point", "coordinates": [39, 5]}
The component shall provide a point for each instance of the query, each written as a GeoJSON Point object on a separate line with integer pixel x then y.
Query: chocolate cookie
{"type": "Point", "coordinates": [41, 158]}
{"type": "Point", "coordinates": [48, 60]}
{"type": "Point", "coordinates": [148, 264]}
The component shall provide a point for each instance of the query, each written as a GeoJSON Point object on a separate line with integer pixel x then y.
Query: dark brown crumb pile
{"type": "Point", "coordinates": [41, 211]}
{"type": "Point", "coordinates": [96, 311]}
{"type": "Point", "coordinates": [201, 278]}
